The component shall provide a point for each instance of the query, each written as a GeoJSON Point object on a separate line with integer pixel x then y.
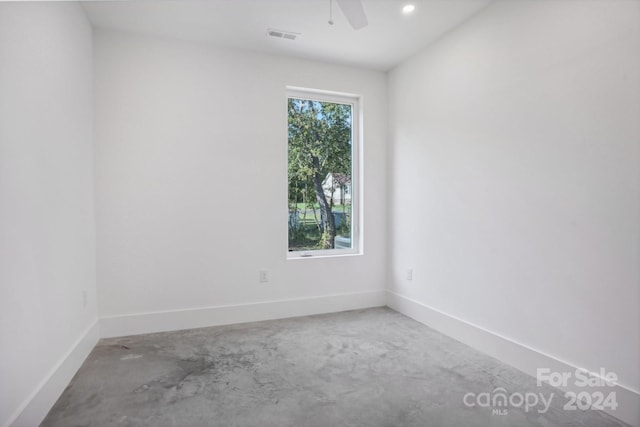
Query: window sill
{"type": "Point", "coordinates": [322, 254]}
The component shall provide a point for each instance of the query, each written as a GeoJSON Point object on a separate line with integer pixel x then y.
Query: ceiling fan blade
{"type": "Point", "coordinates": [354, 11]}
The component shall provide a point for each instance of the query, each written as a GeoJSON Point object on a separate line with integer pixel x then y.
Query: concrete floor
{"type": "Point", "coordinates": [370, 367]}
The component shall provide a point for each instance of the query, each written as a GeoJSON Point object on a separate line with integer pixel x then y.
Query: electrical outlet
{"type": "Point", "coordinates": [410, 274]}
{"type": "Point", "coordinates": [263, 276]}
{"type": "Point", "coordinates": [84, 298]}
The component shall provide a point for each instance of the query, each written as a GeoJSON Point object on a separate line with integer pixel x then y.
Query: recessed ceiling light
{"type": "Point", "coordinates": [407, 9]}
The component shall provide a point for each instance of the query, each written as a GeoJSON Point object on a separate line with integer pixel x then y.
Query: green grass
{"type": "Point", "coordinates": [336, 208]}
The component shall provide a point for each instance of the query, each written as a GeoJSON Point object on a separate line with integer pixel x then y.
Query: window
{"type": "Point", "coordinates": [323, 165]}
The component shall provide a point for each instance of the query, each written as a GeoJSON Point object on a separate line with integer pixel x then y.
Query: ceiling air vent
{"type": "Point", "coordinates": [282, 34]}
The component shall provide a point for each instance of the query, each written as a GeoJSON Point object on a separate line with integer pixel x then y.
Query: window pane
{"type": "Point", "coordinates": [320, 175]}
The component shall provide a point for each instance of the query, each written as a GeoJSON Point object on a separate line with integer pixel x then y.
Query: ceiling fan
{"type": "Point", "coordinates": [353, 10]}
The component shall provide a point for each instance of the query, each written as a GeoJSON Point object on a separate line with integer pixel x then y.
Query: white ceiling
{"type": "Point", "coordinates": [389, 38]}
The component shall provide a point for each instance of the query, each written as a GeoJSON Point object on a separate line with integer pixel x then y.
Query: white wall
{"type": "Point", "coordinates": [515, 165]}
{"type": "Point", "coordinates": [191, 183]}
{"type": "Point", "coordinates": [47, 235]}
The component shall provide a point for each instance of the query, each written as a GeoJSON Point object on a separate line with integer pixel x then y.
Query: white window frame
{"type": "Point", "coordinates": [356, 167]}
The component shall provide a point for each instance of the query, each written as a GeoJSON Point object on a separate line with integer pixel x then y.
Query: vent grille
{"type": "Point", "coordinates": [282, 34]}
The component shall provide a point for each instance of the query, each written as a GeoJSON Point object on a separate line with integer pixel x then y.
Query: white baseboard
{"type": "Point", "coordinates": [143, 323]}
{"type": "Point", "coordinates": [518, 355]}
{"type": "Point", "coordinates": [36, 406]}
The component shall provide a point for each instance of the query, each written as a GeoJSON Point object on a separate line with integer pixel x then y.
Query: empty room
{"type": "Point", "coordinates": [315, 213]}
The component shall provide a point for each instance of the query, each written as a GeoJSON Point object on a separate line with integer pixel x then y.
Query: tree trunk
{"type": "Point", "coordinates": [326, 216]}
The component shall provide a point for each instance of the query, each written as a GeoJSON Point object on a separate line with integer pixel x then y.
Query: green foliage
{"type": "Point", "coordinates": [317, 131]}
{"type": "Point", "coordinates": [305, 237]}
{"type": "Point", "coordinates": [319, 144]}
